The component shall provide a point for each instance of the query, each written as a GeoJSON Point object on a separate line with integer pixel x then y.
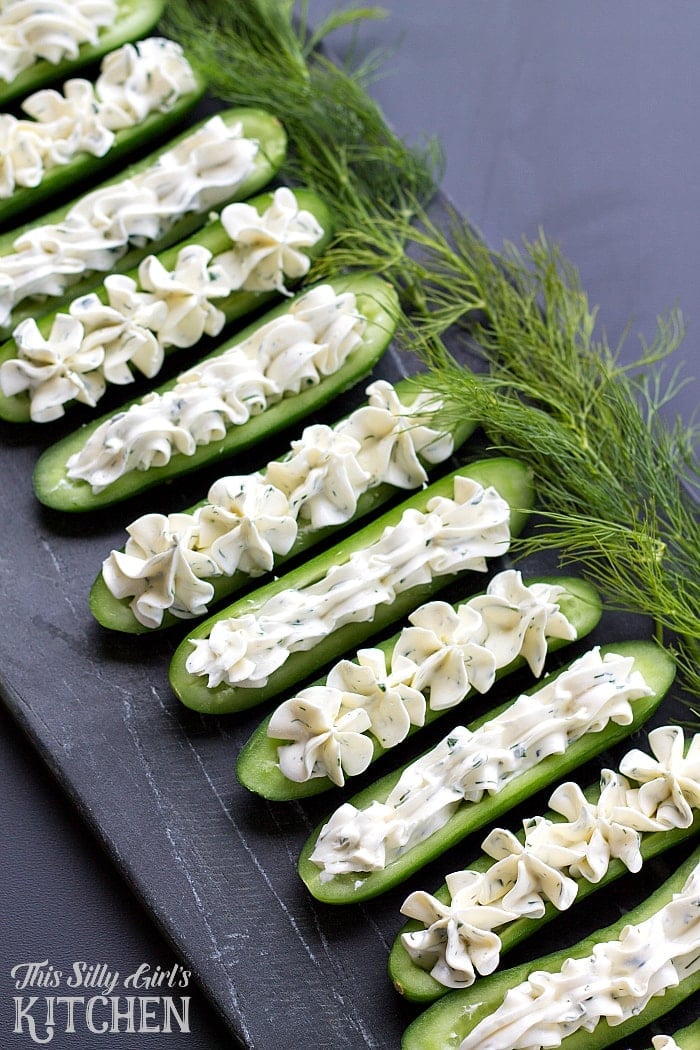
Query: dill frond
{"type": "Point", "coordinates": [617, 486]}
{"type": "Point", "coordinates": [261, 53]}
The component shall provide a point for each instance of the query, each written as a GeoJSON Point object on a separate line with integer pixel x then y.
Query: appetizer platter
{"type": "Point", "coordinates": [320, 540]}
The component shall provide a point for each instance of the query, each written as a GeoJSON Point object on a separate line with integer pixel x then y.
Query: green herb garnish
{"type": "Point", "coordinates": [255, 50]}
{"type": "Point", "coordinates": [617, 485]}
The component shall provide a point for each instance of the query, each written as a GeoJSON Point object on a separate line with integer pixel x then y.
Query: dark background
{"type": "Point", "coordinates": [577, 118]}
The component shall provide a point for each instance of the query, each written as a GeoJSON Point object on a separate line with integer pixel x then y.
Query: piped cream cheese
{"type": "Point", "coordinates": [363, 693]}
{"type": "Point", "coordinates": [188, 293]}
{"type": "Point", "coordinates": [52, 30]}
{"type": "Point", "coordinates": [268, 247]}
{"type": "Point", "coordinates": [176, 567]}
{"type": "Point", "coordinates": [195, 174]}
{"type": "Point", "coordinates": [468, 764]}
{"type": "Point", "coordinates": [614, 982]}
{"type": "Point", "coordinates": [396, 440]}
{"type": "Point", "coordinates": [670, 780]}
{"type": "Point", "coordinates": [321, 477]}
{"type": "Point", "coordinates": [453, 535]}
{"type": "Point", "coordinates": [458, 941]}
{"type": "Point", "coordinates": [135, 81]}
{"type": "Point", "coordinates": [318, 483]}
{"type": "Point", "coordinates": [435, 663]}
{"type": "Point", "coordinates": [547, 863]}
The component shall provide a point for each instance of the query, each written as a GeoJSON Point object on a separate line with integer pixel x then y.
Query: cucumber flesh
{"type": "Point", "coordinates": [376, 300]}
{"type": "Point", "coordinates": [258, 768]}
{"type": "Point", "coordinates": [658, 670]}
{"type": "Point", "coordinates": [444, 1025]}
{"type": "Point", "coordinates": [511, 478]}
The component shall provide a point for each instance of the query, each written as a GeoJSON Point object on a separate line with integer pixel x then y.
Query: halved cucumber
{"type": "Point", "coordinates": [511, 479]}
{"type": "Point", "coordinates": [258, 768]}
{"type": "Point", "coordinates": [376, 301]}
{"type": "Point", "coordinates": [658, 670]}
{"type": "Point", "coordinates": [448, 1022]}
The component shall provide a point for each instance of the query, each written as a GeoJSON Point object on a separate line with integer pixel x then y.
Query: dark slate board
{"type": "Point", "coordinates": [214, 866]}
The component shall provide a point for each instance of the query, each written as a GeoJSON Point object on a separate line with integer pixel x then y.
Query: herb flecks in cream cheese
{"type": "Point", "coordinates": [268, 246]}
{"type": "Point", "coordinates": [187, 293]}
{"type": "Point", "coordinates": [175, 568]}
{"type": "Point", "coordinates": [295, 350]}
{"type": "Point", "coordinates": [458, 941]}
{"type": "Point", "coordinates": [196, 174]}
{"type": "Point", "coordinates": [550, 858]}
{"type": "Point", "coordinates": [364, 694]}
{"type": "Point", "coordinates": [59, 368]}
{"type": "Point", "coordinates": [322, 476]}
{"type": "Point", "coordinates": [452, 535]}
{"type": "Point", "coordinates": [614, 982]}
{"type": "Point", "coordinates": [139, 320]}
{"type": "Point", "coordinates": [434, 663]}
{"type": "Point", "coordinates": [319, 482]}
{"type": "Point", "coordinates": [53, 31]}
{"type": "Point", "coordinates": [468, 764]}
{"type": "Point", "coordinates": [168, 560]}
{"type": "Point", "coordinates": [135, 81]}
{"type": "Point", "coordinates": [670, 780]}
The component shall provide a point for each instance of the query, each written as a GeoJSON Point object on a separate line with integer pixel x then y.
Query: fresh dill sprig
{"type": "Point", "coordinates": [617, 486]}
{"type": "Point", "coordinates": [261, 53]}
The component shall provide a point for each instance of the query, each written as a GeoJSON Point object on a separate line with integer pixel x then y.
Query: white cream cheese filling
{"type": "Point", "coordinates": [139, 319]}
{"type": "Point", "coordinates": [615, 982]}
{"type": "Point", "coordinates": [52, 30]}
{"type": "Point", "coordinates": [468, 764]}
{"type": "Point", "coordinates": [195, 174]}
{"type": "Point", "coordinates": [319, 483]}
{"type": "Point", "coordinates": [552, 855]}
{"type": "Point", "coordinates": [293, 351]}
{"type": "Point", "coordinates": [135, 81]}
{"type": "Point", "coordinates": [268, 246]}
{"type": "Point", "coordinates": [168, 560]}
{"type": "Point", "coordinates": [435, 663]}
{"type": "Point", "coordinates": [451, 536]}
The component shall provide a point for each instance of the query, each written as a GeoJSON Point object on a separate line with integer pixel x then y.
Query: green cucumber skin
{"type": "Point", "coordinates": [15, 409]}
{"type": "Point", "coordinates": [136, 18]}
{"type": "Point", "coordinates": [418, 986]}
{"type": "Point", "coordinates": [54, 489]}
{"type": "Point", "coordinates": [446, 1023]}
{"type": "Point", "coordinates": [658, 669]}
{"type": "Point", "coordinates": [512, 479]}
{"type": "Point", "coordinates": [258, 770]}
{"type": "Point", "coordinates": [688, 1038]}
{"type": "Point", "coordinates": [269, 159]}
{"type": "Point", "coordinates": [85, 168]}
{"type": "Point", "coordinates": [115, 614]}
